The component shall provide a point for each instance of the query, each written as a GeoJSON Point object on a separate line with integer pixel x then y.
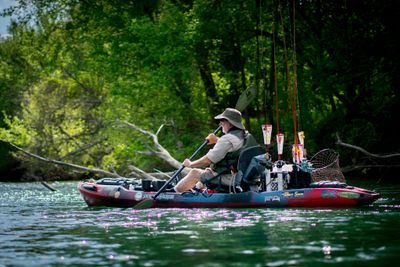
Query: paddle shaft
{"type": "Point", "coordinates": [183, 167]}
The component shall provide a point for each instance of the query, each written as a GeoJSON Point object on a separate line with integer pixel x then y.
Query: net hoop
{"type": "Point", "coordinates": [325, 164]}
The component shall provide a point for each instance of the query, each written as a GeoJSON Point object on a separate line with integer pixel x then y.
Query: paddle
{"type": "Point", "coordinates": [148, 203]}
{"type": "Point", "coordinates": [244, 99]}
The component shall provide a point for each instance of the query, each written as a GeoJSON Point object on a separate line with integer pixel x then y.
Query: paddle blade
{"type": "Point", "coordinates": [144, 204]}
{"type": "Point", "coordinates": [246, 97]}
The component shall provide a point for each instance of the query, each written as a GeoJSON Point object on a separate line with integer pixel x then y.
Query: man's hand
{"type": "Point", "coordinates": [187, 163]}
{"type": "Point", "coordinates": [212, 139]}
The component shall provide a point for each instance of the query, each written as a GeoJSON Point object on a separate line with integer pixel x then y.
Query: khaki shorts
{"type": "Point", "coordinates": [224, 179]}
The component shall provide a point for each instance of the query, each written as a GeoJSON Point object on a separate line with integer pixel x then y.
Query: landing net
{"type": "Point", "coordinates": [326, 167]}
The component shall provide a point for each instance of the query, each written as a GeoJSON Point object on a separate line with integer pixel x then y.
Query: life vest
{"type": "Point", "coordinates": [229, 163]}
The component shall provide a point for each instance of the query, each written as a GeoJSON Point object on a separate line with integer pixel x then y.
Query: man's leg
{"type": "Point", "coordinates": [189, 181]}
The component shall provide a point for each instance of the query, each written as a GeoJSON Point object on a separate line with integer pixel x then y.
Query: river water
{"type": "Point", "coordinates": [39, 227]}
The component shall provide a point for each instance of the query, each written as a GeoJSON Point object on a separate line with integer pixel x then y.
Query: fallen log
{"type": "Point", "coordinates": [57, 162]}
{"type": "Point", "coordinates": [136, 172]}
{"type": "Point", "coordinates": [369, 155]}
{"type": "Point", "coordinates": [365, 152]}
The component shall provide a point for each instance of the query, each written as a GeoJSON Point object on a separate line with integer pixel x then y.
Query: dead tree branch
{"type": "Point", "coordinates": [362, 150]}
{"type": "Point", "coordinates": [159, 151]}
{"type": "Point", "coordinates": [138, 172]}
{"type": "Point", "coordinates": [74, 166]}
{"type": "Point", "coordinates": [370, 156]}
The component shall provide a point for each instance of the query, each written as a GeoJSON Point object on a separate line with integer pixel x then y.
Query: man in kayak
{"type": "Point", "coordinates": [220, 161]}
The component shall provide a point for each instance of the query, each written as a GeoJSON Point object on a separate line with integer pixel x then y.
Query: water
{"type": "Point", "coordinates": [39, 227]}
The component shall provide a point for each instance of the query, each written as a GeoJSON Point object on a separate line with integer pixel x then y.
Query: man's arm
{"type": "Point", "coordinates": [199, 163]}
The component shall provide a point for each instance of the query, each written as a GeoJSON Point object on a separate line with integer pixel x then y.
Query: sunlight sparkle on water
{"type": "Point", "coordinates": [193, 250]}
{"type": "Point", "coordinates": [326, 250]}
{"type": "Point", "coordinates": [57, 228]}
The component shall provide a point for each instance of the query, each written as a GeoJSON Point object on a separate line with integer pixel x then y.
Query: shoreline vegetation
{"type": "Point", "coordinates": [82, 172]}
{"type": "Point", "coordinates": [89, 83]}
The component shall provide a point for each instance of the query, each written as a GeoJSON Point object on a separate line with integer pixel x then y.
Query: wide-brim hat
{"type": "Point", "coordinates": [232, 115]}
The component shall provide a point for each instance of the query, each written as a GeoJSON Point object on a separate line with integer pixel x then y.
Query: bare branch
{"type": "Point", "coordinates": [362, 150]}
{"type": "Point", "coordinates": [160, 151]}
{"type": "Point", "coordinates": [139, 172]}
{"type": "Point", "coordinates": [94, 170]}
{"type": "Point", "coordinates": [147, 153]}
{"type": "Point", "coordinates": [165, 175]}
{"type": "Point", "coordinates": [362, 167]}
{"type": "Point", "coordinates": [159, 129]}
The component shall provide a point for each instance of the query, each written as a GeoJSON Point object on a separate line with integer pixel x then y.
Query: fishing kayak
{"type": "Point", "coordinates": [111, 192]}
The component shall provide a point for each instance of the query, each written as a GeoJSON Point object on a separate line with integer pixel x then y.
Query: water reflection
{"type": "Point", "coordinates": [43, 228]}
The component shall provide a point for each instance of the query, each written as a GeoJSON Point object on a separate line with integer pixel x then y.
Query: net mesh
{"type": "Point", "coordinates": [326, 167]}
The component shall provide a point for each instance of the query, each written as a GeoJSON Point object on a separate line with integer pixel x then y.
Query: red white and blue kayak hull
{"type": "Point", "coordinates": [119, 196]}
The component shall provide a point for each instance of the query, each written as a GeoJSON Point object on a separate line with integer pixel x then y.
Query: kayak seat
{"type": "Point", "coordinates": [251, 165]}
{"type": "Point", "coordinates": [244, 175]}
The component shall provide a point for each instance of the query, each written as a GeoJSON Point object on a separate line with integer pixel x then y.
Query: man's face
{"type": "Point", "coordinates": [226, 125]}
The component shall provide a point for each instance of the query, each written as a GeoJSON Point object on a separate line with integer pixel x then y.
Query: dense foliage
{"type": "Point", "coordinates": [70, 69]}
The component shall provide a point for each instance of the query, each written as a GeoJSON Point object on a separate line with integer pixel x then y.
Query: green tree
{"type": "Point", "coordinates": [178, 63]}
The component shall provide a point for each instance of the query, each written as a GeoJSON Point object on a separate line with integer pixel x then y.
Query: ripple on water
{"type": "Point", "coordinates": [45, 228]}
